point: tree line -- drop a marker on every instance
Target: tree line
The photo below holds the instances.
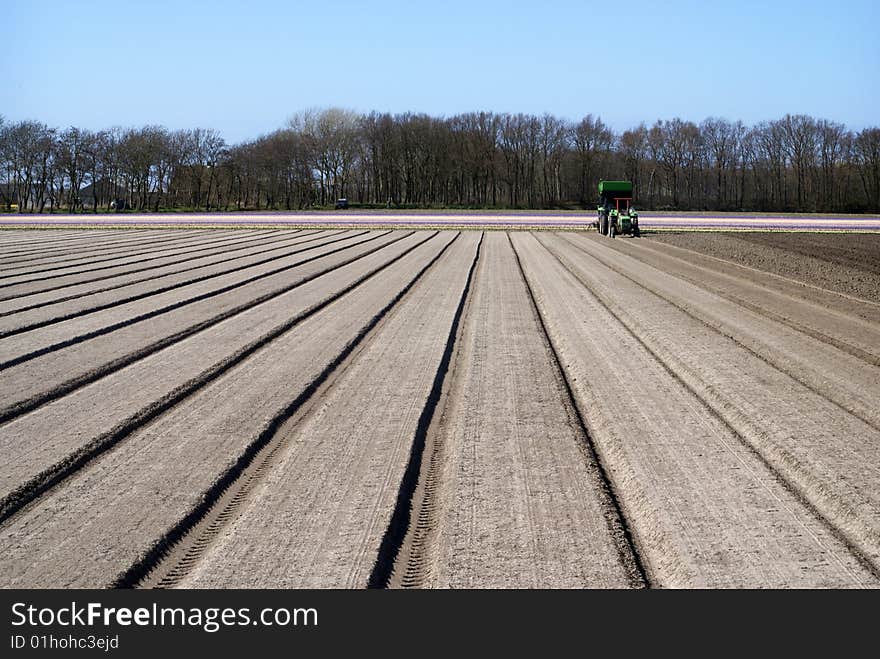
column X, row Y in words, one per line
column 471, row 160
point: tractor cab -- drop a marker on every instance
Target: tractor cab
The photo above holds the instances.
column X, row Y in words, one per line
column 616, row 213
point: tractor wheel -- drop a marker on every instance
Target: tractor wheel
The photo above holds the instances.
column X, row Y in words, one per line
column 636, row 232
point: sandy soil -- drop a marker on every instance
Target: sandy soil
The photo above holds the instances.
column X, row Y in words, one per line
column 410, row 409
column 515, row 500
column 32, row 310
column 163, row 469
column 58, row 353
column 848, row 263
column 319, row 518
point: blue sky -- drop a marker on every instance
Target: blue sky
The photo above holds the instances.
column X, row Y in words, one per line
column 245, row 67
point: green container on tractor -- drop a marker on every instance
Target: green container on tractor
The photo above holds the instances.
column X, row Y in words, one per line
column 616, row 213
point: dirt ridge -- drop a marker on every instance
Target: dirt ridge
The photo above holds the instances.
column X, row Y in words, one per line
column 28, row 492
column 164, row 289
column 29, row 404
column 618, row 525
column 136, row 574
column 766, row 358
column 852, row 542
column 126, row 254
column 90, row 250
column 174, row 306
column 143, row 280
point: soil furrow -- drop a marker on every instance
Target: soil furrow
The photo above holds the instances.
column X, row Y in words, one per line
column 839, row 493
column 48, row 343
column 775, row 263
column 78, row 240
column 129, row 261
column 192, row 540
column 509, row 493
column 852, row 329
column 395, row 533
column 164, row 469
column 90, row 253
column 37, row 296
column 80, row 237
column 116, row 301
column 703, row 509
column 87, row 258
column 847, row 383
column 44, row 395
column 86, row 292
column 617, row 522
column 330, row 496
column 37, row 485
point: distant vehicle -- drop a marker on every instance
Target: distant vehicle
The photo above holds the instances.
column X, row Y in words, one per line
column 616, row 215
column 341, row 204
column 119, row 205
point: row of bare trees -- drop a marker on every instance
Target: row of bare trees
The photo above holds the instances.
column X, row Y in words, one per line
column 796, row 163
column 45, row 169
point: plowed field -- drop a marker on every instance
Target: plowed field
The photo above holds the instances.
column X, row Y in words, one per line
column 438, row 409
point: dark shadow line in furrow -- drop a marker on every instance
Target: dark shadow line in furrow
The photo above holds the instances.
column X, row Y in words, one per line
column 619, row 526
column 194, row 254
column 125, row 254
column 719, row 331
column 653, row 246
column 395, row 533
column 780, row 478
column 37, row 245
column 134, row 282
column 177, row 251
column 136, row 573
column 27, row 237
column 142, row 240
column 165, row 289
column 192, row 300
column 22, row 407
column 840, row 344
column 89, row 250
column 40, row 484
column 411, row 565
column 50, row 247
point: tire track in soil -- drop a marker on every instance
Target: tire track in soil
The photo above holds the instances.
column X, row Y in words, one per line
column 14, row 410
column 197, row 254
column 416, row 550
column 31, row 491
column 791, row 487
column 618, row 525
column 86, row 259
column 87, row 252
column 164, row 289
column 766, row 356
column 189, row 249
column 174, row 556
column 396, row 532
column 295, row 236
column 107, row 329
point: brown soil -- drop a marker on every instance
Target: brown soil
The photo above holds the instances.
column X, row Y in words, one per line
column 844, row 262
column 422, row 409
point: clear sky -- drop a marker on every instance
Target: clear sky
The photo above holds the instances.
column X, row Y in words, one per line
column 244, row 67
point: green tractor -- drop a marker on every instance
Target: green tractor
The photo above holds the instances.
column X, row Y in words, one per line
column 616, row 214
